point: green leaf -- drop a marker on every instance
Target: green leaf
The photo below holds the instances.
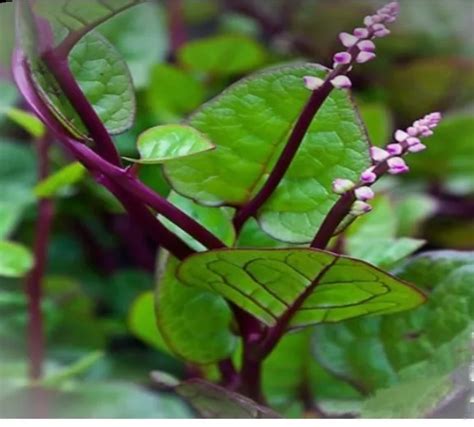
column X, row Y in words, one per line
column 222, row 55
column 140, row 35
column 249, row 123
column 9, row 218
column 170, row 142
column 118, row 400
column 217, row 220
column 372, row 237
column 431, row 341
column 412, row 211
column 377, row 119
column 100, row 71
column 142, row 321
column 172, row 92
column 105, row 80
column 266, row 283
column 449, row 154
column 414, row 399
column 60, row 180
column 15, row 259
column 213, row 401
column 77, row 368
column 189, row 317
column 27, row 121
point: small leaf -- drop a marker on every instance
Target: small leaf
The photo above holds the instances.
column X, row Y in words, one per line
column 213, row 401
column 57, row 182
column 170, row 142
column 268, row 282
column 27, row 121
column 188, row 317
column 224, row 54
column 15, row 259
column 216, row 220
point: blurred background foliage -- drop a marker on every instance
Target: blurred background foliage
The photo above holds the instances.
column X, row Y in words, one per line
column 98, row 303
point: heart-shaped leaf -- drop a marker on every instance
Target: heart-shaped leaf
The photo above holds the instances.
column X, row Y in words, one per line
column 311, row 285
column 249, row 123
column 15, row 259
column 195, row 324
column 170, row 142
column 431, row 340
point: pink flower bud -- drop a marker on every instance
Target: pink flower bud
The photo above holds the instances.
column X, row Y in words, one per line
column 365, row 57
column 416, row 148
column 312, row 83
column 368, row 176
column 348, row 40
column 378, row 154
column 360, row 208
column 366, row 45
column 379, row 27
column 401, row 135
column 364, row 193
column 341, row 82
column 394, row 149
column 382, row 33
column 361, row 33
column 368, row 21
column 341, row 186
column 396, row 165
column 427, row 132
column 342, row 58
column 412, row 131
column 412, row 141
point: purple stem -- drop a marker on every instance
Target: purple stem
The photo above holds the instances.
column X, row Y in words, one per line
column 36, row 340
column 176, row 26
column 302, row 125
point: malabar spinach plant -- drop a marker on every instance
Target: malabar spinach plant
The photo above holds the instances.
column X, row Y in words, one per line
column 267, row 177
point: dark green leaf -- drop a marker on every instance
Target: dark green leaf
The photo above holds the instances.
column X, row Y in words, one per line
column 266, row 283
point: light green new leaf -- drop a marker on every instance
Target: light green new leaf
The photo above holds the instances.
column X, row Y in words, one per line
column 249, row 123
column 170, row 142
column 432, row 340
column 15, row 259
column 325, row 287
column 223, row 54
column 217, row 220
column 449, row 158
column 55, row 183
column 188, row 317
column 27, row 121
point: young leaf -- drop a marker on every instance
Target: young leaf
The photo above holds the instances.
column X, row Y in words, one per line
column 312, row 285
column 27, row 121
column 213, row 401
column 170, row 142
column 224, row 55
column 195, row 324
column 432, row 340
column 15, row 259
column 249, row 123
column 217, row 220
column 55, row 183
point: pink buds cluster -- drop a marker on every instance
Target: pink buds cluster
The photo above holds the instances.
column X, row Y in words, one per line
column 388, row 159
column 359, row 44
